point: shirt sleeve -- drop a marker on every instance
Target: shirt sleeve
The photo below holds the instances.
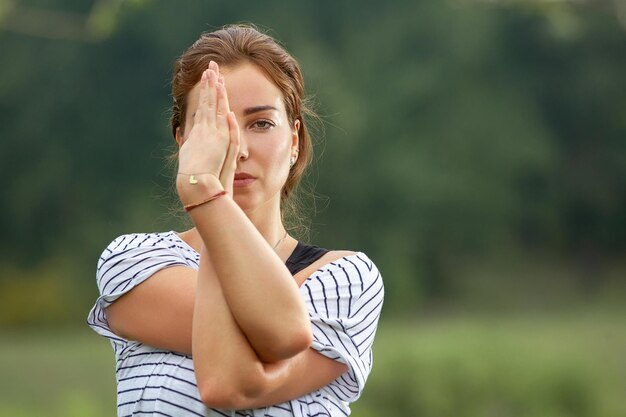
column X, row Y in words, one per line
column 344, row 299
column 127, row 262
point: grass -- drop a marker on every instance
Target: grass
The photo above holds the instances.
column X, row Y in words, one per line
column 56, row 375
column 522, row 366
column 568, row 365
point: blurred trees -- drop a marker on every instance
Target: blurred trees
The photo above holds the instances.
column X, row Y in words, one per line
column 463, row 139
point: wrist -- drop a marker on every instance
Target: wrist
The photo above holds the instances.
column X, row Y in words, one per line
column 192, row 188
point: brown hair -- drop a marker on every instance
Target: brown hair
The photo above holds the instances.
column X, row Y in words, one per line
column 244, row 43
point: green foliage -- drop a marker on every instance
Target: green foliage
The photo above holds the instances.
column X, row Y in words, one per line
column 455, row 130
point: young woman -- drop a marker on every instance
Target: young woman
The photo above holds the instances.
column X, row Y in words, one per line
column 235, row 317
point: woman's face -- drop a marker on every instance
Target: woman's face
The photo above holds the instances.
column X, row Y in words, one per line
column 268, row 141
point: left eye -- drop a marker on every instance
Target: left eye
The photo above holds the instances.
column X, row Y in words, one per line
column 263, row 124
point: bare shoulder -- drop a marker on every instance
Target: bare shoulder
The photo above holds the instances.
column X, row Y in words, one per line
column 327, row 258
column 333, row 255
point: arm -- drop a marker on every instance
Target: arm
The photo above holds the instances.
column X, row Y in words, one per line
column 257, row 286
column 228, row 371
column 347, row 297
column 160, row 312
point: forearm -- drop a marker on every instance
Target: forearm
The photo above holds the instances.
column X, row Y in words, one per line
column 225, row 364
column 260, row 292
column 229, row 373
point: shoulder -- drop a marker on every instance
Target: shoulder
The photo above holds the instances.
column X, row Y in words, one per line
column 134, row 240
column 356, row 266
column 136, row 251
column 347, row 291
column 131, row 259
column 345, row 259
column 328, row 257
column 143, row 242
column 343, row 269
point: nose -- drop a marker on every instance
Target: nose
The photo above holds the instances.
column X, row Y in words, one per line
column 243, row 148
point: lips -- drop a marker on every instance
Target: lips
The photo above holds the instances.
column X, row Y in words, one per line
column 243, row 176
column 243, row 179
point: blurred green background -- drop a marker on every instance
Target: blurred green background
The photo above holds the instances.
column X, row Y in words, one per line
column 475, row 150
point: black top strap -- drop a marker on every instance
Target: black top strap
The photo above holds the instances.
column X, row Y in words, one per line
column 302, row 256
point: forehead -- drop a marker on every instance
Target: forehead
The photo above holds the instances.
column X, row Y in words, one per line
column 247, row 86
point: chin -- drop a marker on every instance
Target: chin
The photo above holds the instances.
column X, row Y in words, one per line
column 249, row 202
column 245, row 202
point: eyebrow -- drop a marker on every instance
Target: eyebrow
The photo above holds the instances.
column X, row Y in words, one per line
column 256, row 109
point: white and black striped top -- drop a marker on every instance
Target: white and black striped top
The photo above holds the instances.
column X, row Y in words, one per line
column 344, row 299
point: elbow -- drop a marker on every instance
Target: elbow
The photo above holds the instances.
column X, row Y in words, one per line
column 221, row 397
column 302, row 341
column 213, row 396
column 288, row 346
column 229, row 395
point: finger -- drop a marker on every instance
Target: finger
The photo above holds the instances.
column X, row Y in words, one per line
column 227, row 176
column 216, row 69
column 222, row 113
column 207, row 101
column 223, row 107
column 213, row 66
column 220, row 80
column 224, row 97
column 202, row 96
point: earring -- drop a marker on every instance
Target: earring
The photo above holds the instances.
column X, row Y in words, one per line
column 292, row 161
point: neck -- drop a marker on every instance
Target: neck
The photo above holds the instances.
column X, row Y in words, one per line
column 267, row 220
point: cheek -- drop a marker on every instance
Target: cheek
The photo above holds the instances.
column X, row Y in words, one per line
column 282, row 152
column 273, row 155
column 275, row 149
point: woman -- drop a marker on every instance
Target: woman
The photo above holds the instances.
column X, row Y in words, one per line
column 275, row 327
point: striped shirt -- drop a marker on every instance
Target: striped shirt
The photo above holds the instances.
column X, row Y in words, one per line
column 344, row 299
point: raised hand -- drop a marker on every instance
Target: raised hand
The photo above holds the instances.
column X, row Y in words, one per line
column 211, row 148
column 227, row 174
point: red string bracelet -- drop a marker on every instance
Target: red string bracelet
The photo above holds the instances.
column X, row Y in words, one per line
column 190, row 207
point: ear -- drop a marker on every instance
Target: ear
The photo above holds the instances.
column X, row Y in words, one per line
column 179, row 137
column 295, row 137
